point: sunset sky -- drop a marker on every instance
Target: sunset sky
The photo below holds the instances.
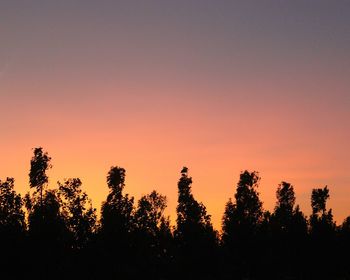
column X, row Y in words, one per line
column 217, row 86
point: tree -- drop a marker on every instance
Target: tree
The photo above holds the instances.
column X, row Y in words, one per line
column 285, row 199
column 11, row 214
column 117, row 227
column 117, row 210
column 321, row 220
column 116, row 180
column 47, row 231
column 39, row 164
column 242, row 218
column 12, row 230
column 47, row 234
column 319, row 198
column 149, row 214
column 194, row 233
column 241, row 223
column 77, row 210
column 46, row 224
column 322, row 229
column 289, row 231
column 192, row 218
column 153, row 237
column 287, row 219
column 43, row 206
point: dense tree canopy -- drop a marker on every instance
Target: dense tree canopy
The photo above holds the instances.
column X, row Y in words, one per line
column 61, row 235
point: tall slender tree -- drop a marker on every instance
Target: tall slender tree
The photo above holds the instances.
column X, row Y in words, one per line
column 117, row 210
column 38, row 178
column 289, row 231
column 241, row 222
column 47, row 231
column 117, row 226
column 283, row 214
column 192, row 218
column 242, row 218
column 287, row 218
column 322, row 230
column 194, row 233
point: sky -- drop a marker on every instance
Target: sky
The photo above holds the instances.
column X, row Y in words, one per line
column 152, row 86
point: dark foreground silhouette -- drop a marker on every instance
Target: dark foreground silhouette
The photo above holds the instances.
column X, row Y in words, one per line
column 55, row 233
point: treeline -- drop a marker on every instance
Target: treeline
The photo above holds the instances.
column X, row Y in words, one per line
column 55, row 233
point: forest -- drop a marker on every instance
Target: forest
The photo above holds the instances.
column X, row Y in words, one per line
column 58, row 234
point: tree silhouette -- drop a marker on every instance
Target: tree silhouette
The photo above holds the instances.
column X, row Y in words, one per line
column 192, row 217
column 43, row 206
column 322, row 232
column 285, row 202
column 48, row 235
column 39, row 164
column 288, row 220
column 242, row 218
column 241, row 222
column 117, row 210
column 321, row 220
column 152, row 234
column 289, row 231
column 46, row 221
column 47, row 230
column 11, row 214
column 12, row 229
column 149, row 214
column 77, row 210
column 59, row 235
column 318, row 200
column 117, row 224
column 194, row 232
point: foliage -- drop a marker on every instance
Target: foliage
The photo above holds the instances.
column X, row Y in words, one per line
column 242, row 218
column 192, row 218
column 39, row 164
column 149, row 215
column 11, row 213
column 61, row 237
column 77, row 211
column 117, row 210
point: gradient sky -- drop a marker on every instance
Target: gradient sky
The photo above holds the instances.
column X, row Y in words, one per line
column 218, row 86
